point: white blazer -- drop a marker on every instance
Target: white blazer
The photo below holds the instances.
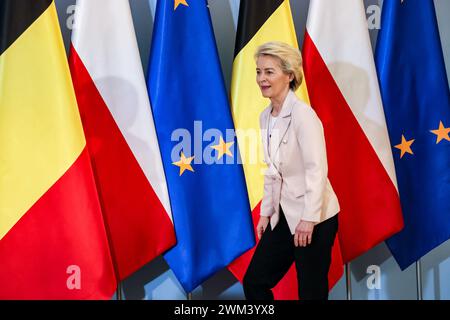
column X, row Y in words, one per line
column 296, row 176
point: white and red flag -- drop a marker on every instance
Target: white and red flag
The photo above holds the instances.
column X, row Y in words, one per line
column 343, row 89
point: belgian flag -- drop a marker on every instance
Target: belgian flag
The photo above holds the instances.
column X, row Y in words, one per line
column 261, row 21
column 53, row 243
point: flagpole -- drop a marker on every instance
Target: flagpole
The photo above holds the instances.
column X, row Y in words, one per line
column 119, row 291
column 348, row 281
column 419, row 279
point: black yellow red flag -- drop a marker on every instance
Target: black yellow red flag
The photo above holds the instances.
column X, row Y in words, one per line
column 53, row 243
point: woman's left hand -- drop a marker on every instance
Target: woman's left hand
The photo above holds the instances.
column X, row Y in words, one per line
column 303, row 233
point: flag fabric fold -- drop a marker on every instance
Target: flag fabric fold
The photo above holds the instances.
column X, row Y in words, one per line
column 261, row 21
column 344, row 91
column 114, row 105
column 53, row 243
column 193, row 121
column 416, row 99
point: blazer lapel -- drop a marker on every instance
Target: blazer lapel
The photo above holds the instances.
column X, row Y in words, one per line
column 282, row 124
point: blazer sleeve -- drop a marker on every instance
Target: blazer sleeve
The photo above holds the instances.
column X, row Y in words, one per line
column 311, row 139
column 267, row 209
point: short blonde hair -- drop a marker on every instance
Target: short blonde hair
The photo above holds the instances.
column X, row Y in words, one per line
column 290, row 59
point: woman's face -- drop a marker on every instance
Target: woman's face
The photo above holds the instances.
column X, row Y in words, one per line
column 272, row 81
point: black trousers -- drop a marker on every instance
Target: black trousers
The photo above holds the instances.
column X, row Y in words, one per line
column 275, row 254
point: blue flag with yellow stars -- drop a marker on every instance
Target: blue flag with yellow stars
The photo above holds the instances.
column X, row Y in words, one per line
column 416, row 99
column 208, row 195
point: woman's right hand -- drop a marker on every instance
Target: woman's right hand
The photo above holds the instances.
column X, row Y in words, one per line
column 262, row 225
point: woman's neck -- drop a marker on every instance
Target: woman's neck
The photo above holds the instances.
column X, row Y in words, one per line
column 277, row 103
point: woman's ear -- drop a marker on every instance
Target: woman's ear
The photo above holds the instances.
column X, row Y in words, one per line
column 291, row 77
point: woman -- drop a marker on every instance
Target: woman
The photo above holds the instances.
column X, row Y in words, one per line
column 298, row 202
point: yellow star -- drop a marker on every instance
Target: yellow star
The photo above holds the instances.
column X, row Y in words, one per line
column 223, row 148
column 178, row 2
column 442, row 133
column 184, row 164
column 405, row 146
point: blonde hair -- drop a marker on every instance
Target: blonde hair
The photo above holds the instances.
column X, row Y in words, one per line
column 290, row 59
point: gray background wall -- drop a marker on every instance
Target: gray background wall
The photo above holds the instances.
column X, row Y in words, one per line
column 375, row 275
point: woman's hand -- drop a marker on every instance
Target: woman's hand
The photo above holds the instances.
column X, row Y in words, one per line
column 303, row 233
column 262, row 225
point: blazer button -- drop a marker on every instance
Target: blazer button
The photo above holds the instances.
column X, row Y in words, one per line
column 284, row 141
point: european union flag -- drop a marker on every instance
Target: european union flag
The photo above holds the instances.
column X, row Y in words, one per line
column 416, row 100
column 208, row 195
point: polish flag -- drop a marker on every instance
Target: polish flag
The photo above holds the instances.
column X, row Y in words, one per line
column 115, row 110
column 343, row 89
